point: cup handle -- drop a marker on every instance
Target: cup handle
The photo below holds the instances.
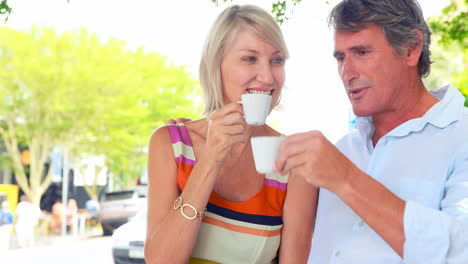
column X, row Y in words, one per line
column 240, row 102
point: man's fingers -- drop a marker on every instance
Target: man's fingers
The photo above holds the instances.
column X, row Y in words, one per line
column 293, row 163
column 289, row 147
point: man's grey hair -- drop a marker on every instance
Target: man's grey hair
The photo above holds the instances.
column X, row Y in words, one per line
column 398, row 18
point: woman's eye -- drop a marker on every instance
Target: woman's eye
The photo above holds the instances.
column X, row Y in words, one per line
column 278, row 60
column 249, row 59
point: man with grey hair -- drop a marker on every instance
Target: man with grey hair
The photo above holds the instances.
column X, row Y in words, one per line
column 395, row 190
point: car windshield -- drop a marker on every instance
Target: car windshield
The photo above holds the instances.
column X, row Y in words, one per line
column 118, row 195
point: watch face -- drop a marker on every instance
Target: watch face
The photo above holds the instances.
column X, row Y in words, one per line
column 177, row 202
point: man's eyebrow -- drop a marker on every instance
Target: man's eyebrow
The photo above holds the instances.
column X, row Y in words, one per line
column 359, row 47
column 353, row 48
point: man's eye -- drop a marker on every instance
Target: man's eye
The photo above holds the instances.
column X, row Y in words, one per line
column 363, row 52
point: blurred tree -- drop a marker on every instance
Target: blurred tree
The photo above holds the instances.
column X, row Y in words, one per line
column 450, row 47
column 88, row 95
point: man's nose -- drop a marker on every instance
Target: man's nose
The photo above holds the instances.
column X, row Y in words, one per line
column 348, row 71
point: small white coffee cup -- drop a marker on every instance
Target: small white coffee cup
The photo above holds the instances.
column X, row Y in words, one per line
column 265, row 152
column 256, row 108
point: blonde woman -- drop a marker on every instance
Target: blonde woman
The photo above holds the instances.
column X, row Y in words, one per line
column 206, row 201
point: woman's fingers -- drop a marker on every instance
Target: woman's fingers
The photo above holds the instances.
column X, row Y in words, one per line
column 225, row 110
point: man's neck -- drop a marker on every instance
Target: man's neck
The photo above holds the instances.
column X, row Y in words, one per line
column 415, row 105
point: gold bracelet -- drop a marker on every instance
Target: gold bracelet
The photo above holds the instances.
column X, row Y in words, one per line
column 178, row 203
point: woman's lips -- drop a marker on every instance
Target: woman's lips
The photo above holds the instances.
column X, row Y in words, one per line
column 260, row 91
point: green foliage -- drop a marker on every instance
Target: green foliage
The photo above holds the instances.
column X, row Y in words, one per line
column 216, row 2
column 5, row 9
column 278, row 9
column 450, row 46
column 452, row 25
column 93, row 96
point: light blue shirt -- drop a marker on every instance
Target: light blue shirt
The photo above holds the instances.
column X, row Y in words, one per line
column 424, row 161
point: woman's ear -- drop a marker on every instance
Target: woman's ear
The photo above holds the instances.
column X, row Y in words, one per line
column 414, row 50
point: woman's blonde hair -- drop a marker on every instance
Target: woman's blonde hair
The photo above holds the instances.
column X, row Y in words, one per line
column 234, row 18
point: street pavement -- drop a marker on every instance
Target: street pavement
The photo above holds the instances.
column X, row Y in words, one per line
column 89, row 248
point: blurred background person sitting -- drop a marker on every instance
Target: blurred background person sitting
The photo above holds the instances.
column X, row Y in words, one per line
column 6, row 225
column 93, row 207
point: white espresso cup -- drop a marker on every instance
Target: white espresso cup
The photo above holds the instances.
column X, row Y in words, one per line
column 265, row 152
column 256, row 108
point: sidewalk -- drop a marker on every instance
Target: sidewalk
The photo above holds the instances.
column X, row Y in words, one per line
column 44, row 241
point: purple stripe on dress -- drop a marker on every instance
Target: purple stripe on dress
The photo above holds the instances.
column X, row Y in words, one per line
column 185, row 160
column 277, row 184
column 179, row 134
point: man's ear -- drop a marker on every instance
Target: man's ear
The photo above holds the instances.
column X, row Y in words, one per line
column 414, row 50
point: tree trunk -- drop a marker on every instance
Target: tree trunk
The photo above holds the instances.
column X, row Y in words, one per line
column 39, row 149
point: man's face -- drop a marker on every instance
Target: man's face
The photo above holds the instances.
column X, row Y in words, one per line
column 371, row 70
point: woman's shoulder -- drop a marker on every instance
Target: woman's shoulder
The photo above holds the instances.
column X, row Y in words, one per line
column 187, row 131
column 170, row 129
column 160, row 134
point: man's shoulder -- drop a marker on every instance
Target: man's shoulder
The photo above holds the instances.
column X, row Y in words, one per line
column 461, row 123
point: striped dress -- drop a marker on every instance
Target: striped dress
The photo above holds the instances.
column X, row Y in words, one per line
column 234, row 232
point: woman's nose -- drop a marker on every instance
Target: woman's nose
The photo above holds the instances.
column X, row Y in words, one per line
column 265, row 73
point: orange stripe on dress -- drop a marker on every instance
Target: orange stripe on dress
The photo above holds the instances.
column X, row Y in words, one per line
column 268, row 201
column 183, row 173
column 241, row 229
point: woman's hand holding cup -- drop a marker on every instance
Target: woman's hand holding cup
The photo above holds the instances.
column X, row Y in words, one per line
column 226, row 128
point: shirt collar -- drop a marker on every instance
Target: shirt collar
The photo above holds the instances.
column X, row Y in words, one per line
column 445, row 112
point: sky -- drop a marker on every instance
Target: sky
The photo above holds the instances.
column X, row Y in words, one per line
column 313, row 97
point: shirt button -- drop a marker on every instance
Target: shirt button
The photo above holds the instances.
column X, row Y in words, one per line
column 337, row 253
column 361, row 223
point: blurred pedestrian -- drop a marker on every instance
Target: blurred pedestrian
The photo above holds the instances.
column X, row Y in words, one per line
column 6, row 225
column 93, row 207
column 72, row 215
column 57, row 209
column 27, row 217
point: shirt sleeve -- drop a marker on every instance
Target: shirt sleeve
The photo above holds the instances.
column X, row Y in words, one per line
column 434, row 236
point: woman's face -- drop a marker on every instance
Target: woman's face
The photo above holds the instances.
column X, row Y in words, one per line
column 251, row 65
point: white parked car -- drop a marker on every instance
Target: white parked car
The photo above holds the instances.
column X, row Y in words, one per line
column 120, row 206
column 128, row 240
